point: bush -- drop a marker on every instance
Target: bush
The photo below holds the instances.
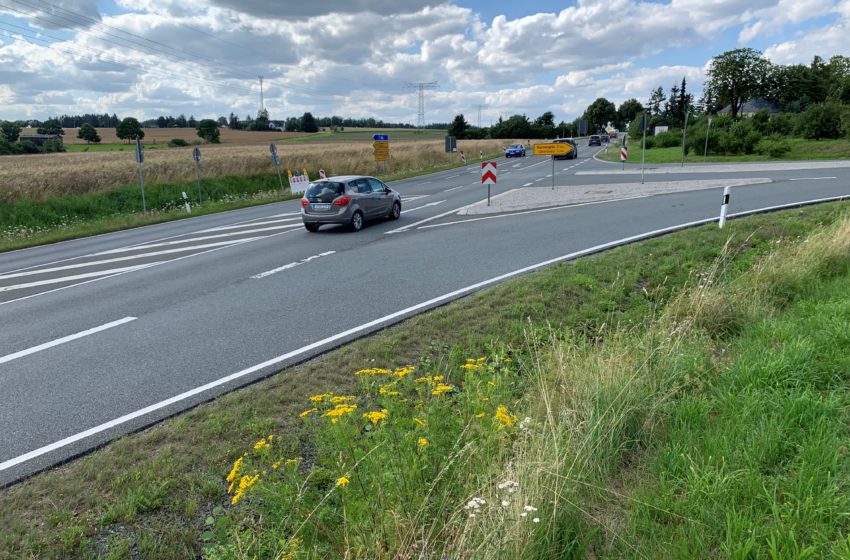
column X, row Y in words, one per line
column 822, row 120
column 761, row 122
column 671, row 139
column 773, row 146
column 782, row 124
column 28, row 147
column 54, row 146
column 650, row 142
column 177, row 143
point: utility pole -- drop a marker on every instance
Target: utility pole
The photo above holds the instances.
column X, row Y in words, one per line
column 421, row 86
column 479, row 115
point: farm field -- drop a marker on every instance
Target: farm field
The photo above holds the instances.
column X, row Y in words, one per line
column 39, row 177
column 163, row 135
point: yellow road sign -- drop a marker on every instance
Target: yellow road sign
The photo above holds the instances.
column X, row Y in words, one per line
column 381, row 152
column 382, row 157
column 552, row 149
column 381, row 144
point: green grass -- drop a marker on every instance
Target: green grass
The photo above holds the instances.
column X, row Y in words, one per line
column 161, row 493
column 801, row 149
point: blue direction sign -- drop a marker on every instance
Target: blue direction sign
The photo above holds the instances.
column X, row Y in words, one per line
column 381, row 137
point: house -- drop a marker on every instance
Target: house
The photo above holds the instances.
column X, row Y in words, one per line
column 751, row 107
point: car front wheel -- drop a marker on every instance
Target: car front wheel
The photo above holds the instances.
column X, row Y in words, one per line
column 395, row 211
column 357, row 221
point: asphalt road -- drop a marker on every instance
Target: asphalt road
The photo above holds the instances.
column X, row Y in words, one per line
column 102, row 336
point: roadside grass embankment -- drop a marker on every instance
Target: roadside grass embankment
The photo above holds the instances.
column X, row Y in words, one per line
column 56, row 197
column 634, row 403
column 800, row 149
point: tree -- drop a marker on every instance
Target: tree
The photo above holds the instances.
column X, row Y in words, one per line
column 546, row 119
column 292, row 124
column 308, row 123
column 736, row 76
column 51, row 126
column 627, row 111
column 656, row 101
column 458, row 127
column 88, row 133
column 598, row 114
column 129, row 129
column 234, row 122
column 262, row 120
column 208, row 130
column 180, row 122
column 222, row 121
column 10, row 130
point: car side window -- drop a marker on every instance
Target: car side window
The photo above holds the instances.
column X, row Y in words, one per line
column 362, row 186
column 377, row 186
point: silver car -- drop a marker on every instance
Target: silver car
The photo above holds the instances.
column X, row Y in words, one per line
column 348, row 200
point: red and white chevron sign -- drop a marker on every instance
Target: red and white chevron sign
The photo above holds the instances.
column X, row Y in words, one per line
column 488, row 172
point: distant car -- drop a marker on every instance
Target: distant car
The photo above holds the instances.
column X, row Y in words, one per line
column 595, row 140
column 613, row 134
column 515, row 150
column 573, row 154
column 349, row 200
column 605, row 138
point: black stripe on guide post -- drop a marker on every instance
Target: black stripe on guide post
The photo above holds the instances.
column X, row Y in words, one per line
column 725, row 199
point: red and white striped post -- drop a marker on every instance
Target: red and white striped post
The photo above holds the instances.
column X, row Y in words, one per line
column 624, row 155
column 488, row 176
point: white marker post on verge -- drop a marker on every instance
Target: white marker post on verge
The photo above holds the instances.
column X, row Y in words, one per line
column 186, row 203
column 724, row 206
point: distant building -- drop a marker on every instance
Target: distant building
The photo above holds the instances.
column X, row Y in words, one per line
column 751, row 107
column 38, row 139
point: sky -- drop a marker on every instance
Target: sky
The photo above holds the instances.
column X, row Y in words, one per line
column 358, row 58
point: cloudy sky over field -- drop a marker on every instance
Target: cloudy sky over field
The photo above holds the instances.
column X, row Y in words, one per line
column 352, row 58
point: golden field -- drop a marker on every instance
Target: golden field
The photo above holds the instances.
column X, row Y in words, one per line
column 37, row 177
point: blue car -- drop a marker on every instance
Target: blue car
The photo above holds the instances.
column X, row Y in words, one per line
column 515, row 150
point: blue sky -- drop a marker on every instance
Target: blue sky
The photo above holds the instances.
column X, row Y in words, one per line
column 352, row 57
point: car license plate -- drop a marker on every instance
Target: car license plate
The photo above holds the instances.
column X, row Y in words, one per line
column 320, row 206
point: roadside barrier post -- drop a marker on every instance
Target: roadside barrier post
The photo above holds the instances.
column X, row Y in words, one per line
column 196, row 155
column 186, row 203
column 140, row 159
column 724, row 206
column 553, row 173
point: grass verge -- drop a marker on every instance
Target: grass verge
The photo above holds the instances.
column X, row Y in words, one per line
column 801, row 149
column 599, row 402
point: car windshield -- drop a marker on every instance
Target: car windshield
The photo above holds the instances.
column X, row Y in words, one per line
column 516, row 146
column 324, row 191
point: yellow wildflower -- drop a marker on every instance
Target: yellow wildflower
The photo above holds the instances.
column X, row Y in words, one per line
column 374, row 417
column 491, row 383
column 481, row 359
column 342, row 481
column 430, row 379
column 386, row 390
column 244, row 483
column 372, row 371
column 419, row 421
column 441, row 388
column 320, row 397
column 423, row 442
column 341, row 399
column 276, row 464
column 339, row 410
column 403, row 372
column 470, row 366
column 505, row 418
column 290, row 462
column 480, row 415
column 260, row 444
column 235, row 470
column 308, row 412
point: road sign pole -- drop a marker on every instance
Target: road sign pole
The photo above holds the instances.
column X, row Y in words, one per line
column 553, row 173
column 488, row 194
column 198, row 175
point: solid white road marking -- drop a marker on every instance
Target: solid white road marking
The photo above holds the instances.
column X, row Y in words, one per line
column 291, row 265
column 119, row 259
column 77, row 277
column 251, row 224
column 454, row 188
column 812, row 178
column 426, row 220
column 362, row 328
column 63, row 340
column 527, row 185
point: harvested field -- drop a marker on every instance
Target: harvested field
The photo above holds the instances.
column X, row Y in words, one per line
column 163, row 135
column 38, row 177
